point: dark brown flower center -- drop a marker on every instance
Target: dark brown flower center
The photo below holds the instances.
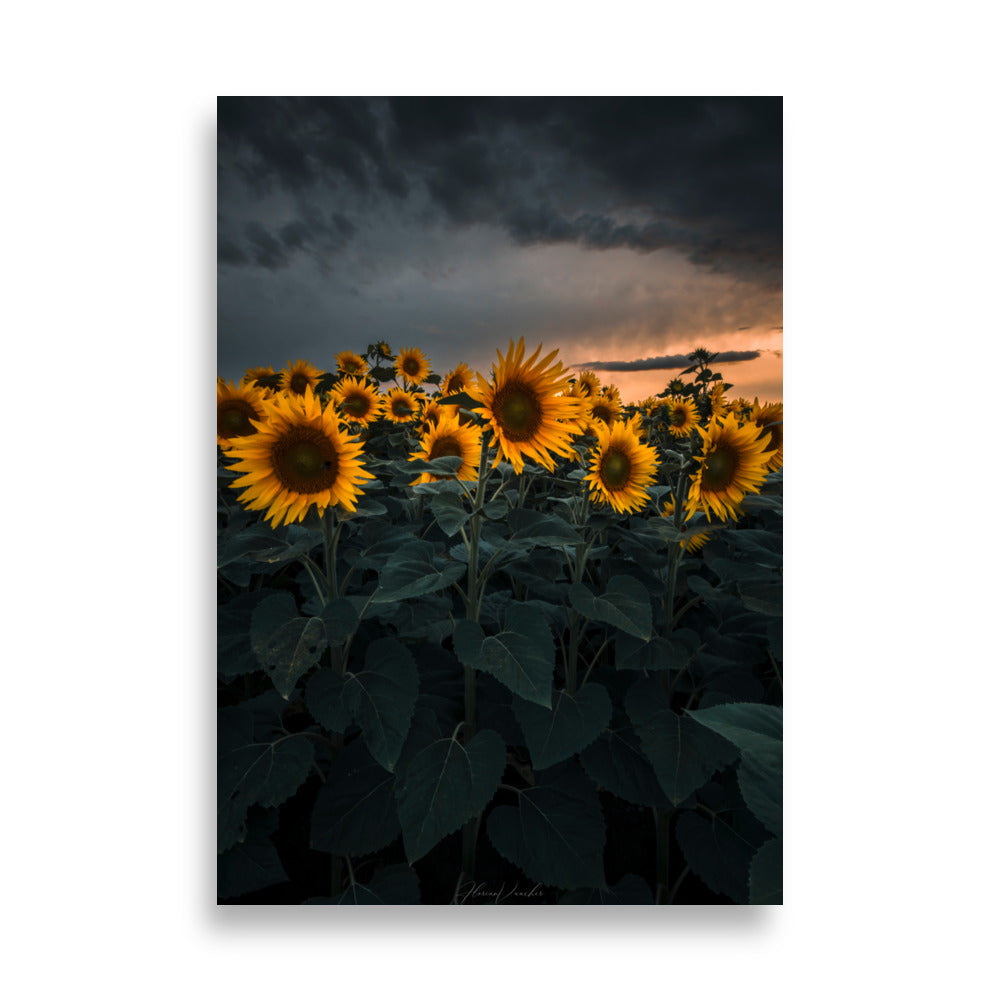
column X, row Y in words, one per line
column 615, row 469
column 298, row 383
column 356, row 405
column 719, row 469
column 234, row 419
column 455, row 383
column 602, row 412
column 518, row 411
column 445, row 446
column 401, row 407
column 305, row 460
column 411, row 366
column 678, row 416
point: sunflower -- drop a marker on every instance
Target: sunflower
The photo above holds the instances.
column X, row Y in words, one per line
column 588, row 383
column 400, row 406
column 520, row 402
column 692, row 542
column 769, row 419
column 357, row 400
column 262, row 377
column 299, row 457
column 605, row 407
column 621, row 467
column 677, row 385
column 718, row 400
column 450, row 437
column 350, row 363
column 299, row 377
column 432, row 412
column 682, row 417
column 733, row 463
column 458, row 379
column 412, row 365
column 382, row 349
column 235, row 409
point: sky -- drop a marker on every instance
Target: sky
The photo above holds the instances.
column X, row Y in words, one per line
column 625, row 232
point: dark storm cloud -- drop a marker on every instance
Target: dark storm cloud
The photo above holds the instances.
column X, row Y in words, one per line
column 699, row 176
column 666, row 362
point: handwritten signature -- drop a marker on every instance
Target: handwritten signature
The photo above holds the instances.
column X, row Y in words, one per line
column 501, row 894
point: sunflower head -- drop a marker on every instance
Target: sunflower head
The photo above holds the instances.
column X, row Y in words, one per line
column 769, row 419
column 357, row 401
column 733, row 463
column 522, row 404
column 400, row 406
column 299, row 457
column 682, row 416
column 382, row 349
column 621, row 466
column 448, row 436
column 236, row 409
column 412, row 365
column 298, row 377
column 351, row 364
column 458, row 379
column 717, row 398
column 588, row 383
column 262, row 377
column 677, row 385
column 606, row 407
column 691, row 542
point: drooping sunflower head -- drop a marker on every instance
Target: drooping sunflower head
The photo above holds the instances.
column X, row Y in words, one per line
column 733, row 463
column 621, row 466
column 299, row 457
column 457, row 380
column 262, row 377
column 717, row 396
column 588, row 383
column 350, row 363
column 400, row 406
column 521, row 403
column 236, row 409
column 448, row 436
column 412, row 365
column 382, row 349
column 691, row 542
column 682, row 416
column 769, row 419
column 605, row 407
column 298, row 377
column 357, row 401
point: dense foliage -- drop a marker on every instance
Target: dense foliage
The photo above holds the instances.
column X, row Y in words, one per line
column 510, row 641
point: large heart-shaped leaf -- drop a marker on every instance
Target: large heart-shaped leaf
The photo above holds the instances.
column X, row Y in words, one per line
column 624, row 604
column 285, row 643
column 444, row 785
column 573, row 722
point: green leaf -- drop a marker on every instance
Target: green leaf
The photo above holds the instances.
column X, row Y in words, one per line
column 285, row 643
column 616, row 763
column 555, row 834
column 522, row 656
column 631, row 890
column 324, row 699
column 254, row 772
column 751, row 727
column 355, row 811
column 683, row 754
column 765, row 598
column 235, row 656
column 253, row 864
column 496, row 508
column 382, row 374
column 412, row 572
column 717, row 854
column 573, row 723
column 675, row 653
column 446, row 465
column 449, row 512
column 392, row 886
column 540, row 529
column 340, row 617
column 625, row 604
column 765, row 874
column 444, row 785
column 759, row 776
column 382, row 697
column 461, row 399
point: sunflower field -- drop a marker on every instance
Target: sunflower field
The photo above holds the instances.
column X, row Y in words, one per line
column 497, row 638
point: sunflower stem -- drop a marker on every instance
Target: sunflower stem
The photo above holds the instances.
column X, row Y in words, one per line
column 331, row 536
